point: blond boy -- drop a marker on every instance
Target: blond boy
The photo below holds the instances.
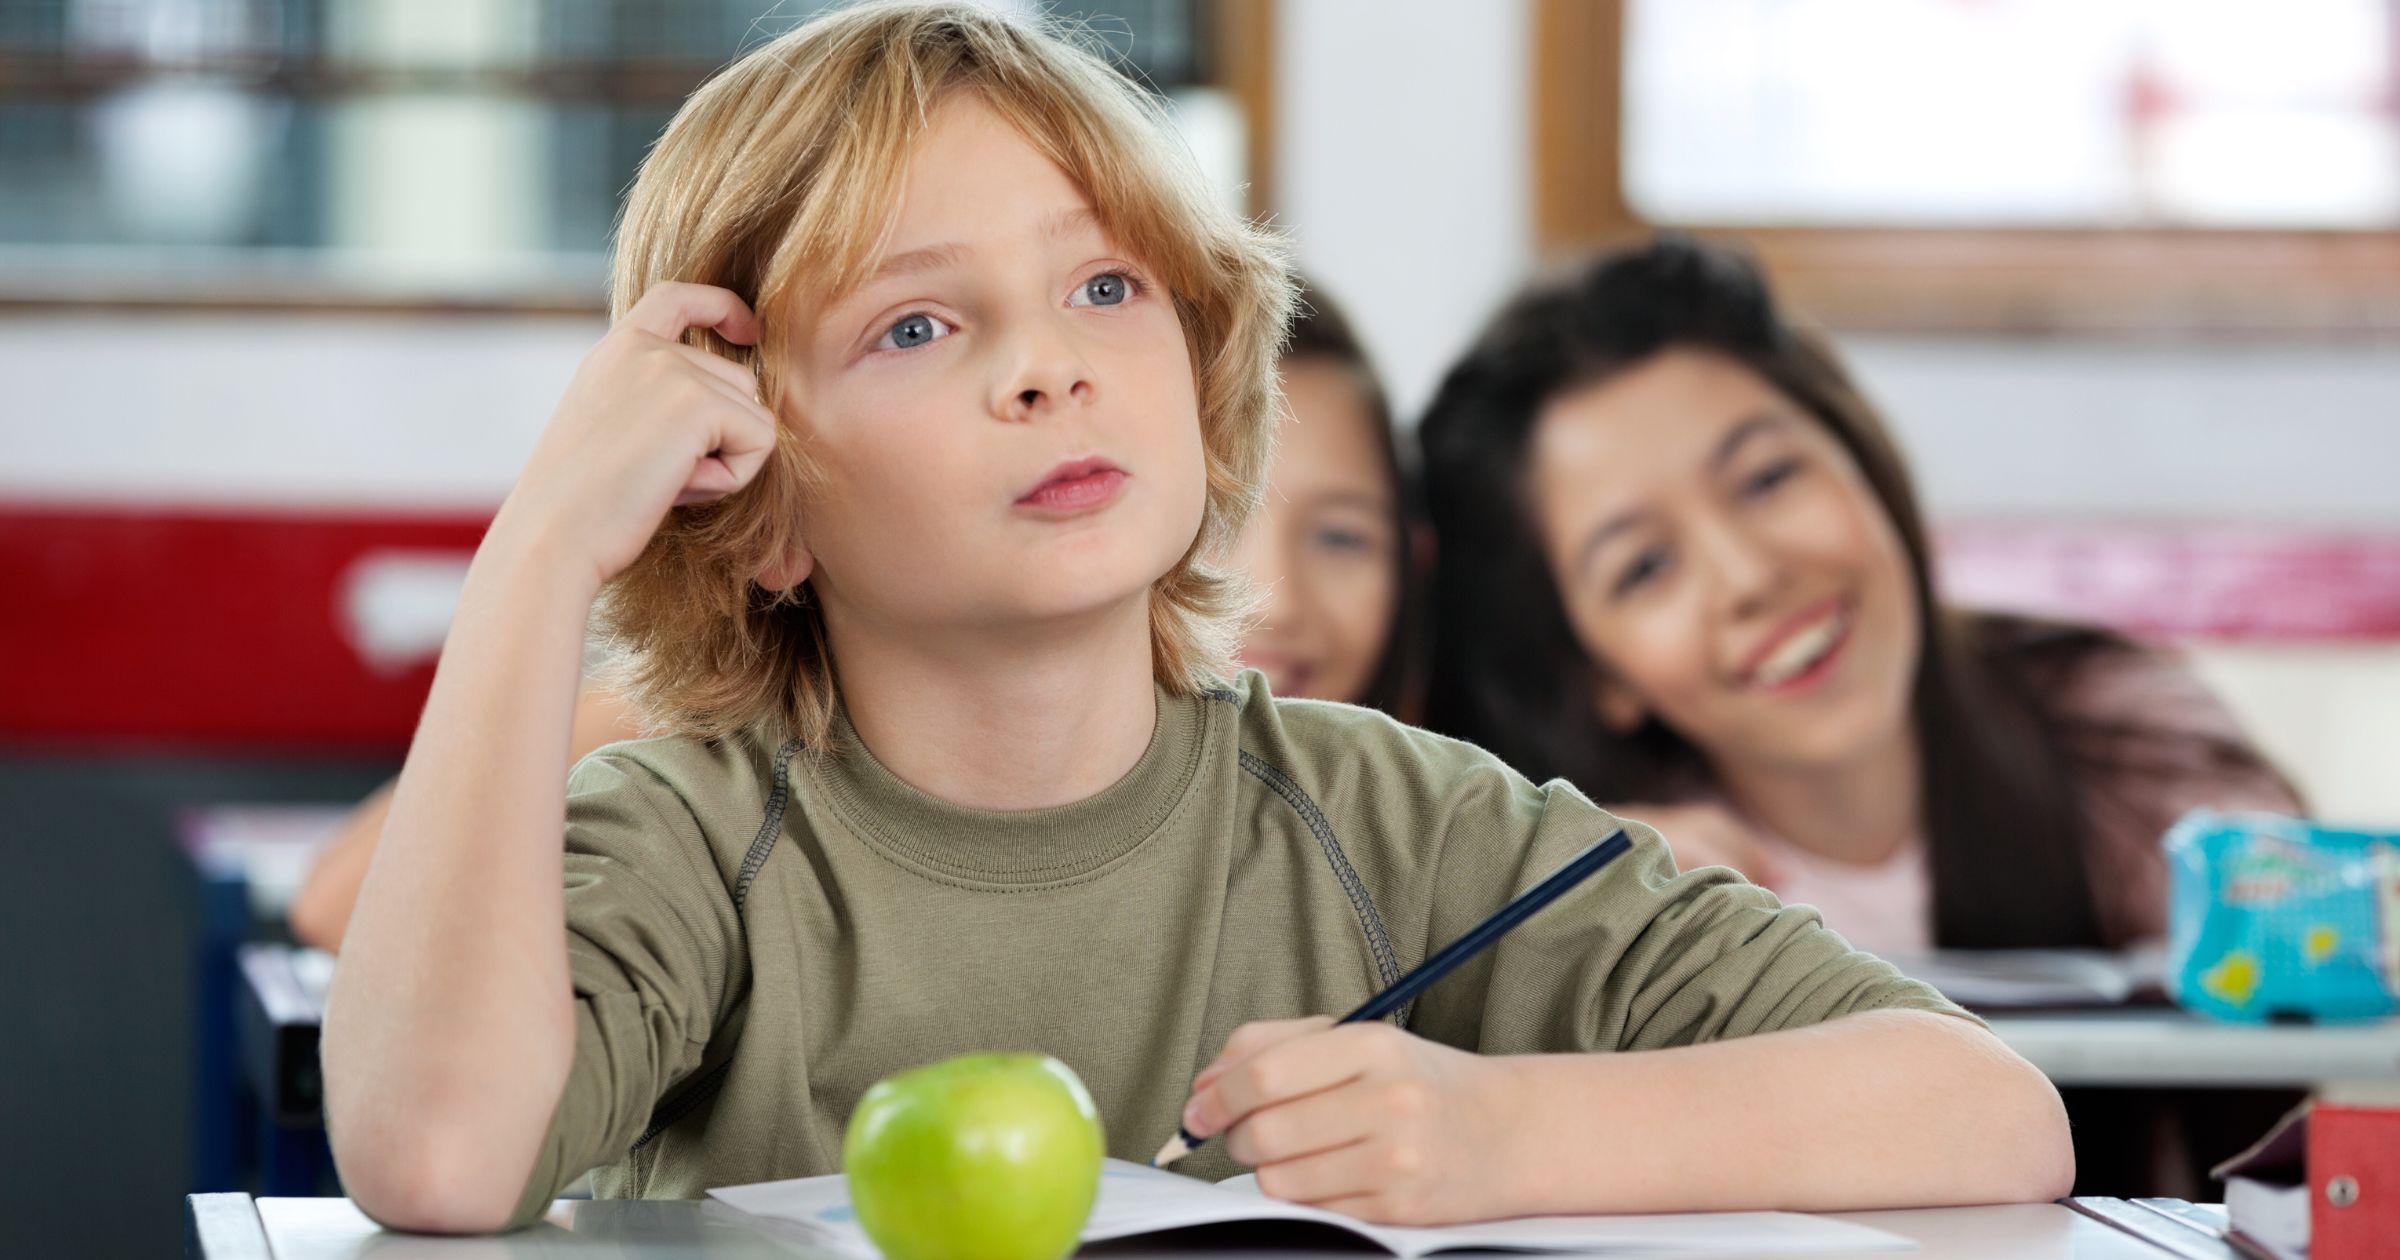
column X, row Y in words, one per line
column 936, row 384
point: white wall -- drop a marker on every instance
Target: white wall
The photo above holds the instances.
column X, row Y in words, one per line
column 1401, row 168
column 2293, row 434
column 433, row 412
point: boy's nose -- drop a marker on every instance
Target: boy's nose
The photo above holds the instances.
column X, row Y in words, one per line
column 1048, row 370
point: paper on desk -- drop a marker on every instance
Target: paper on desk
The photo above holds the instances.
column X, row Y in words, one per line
column 1136, row 1199
column 1997, row 979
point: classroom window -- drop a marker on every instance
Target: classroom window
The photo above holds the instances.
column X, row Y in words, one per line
column 2013, row 165
column 2014, row 112
column 415, row 151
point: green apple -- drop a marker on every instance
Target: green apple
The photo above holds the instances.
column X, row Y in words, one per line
column 981, row 1157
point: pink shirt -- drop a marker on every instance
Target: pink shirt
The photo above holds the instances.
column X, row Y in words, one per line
column 1887, row 907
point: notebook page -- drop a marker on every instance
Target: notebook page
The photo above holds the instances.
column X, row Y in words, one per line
column 1134, row 1199
column 1761, row 1233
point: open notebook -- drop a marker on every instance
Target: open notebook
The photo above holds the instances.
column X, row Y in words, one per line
column 1137, row 1200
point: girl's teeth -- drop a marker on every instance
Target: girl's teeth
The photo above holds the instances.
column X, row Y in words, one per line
column 1799, row 652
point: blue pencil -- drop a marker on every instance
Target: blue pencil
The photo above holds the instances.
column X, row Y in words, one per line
column 1520, row 908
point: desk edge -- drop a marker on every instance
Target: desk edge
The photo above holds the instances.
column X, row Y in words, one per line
column 224, row 1227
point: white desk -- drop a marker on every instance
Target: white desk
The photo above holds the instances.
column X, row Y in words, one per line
column 2165, row 1048
column 235, row 1227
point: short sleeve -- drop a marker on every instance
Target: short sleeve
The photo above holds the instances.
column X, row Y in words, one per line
column 653, row 948
column 1642, row 956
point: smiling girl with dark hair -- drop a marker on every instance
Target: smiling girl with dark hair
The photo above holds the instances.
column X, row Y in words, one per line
column 1682, row 567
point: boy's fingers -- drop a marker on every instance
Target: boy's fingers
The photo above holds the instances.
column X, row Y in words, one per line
column 754, row 429
column 1253, row 1037
column 744, row 466
column 1304, row 1064
column 719, row 367
column 1300, row 1129
column 669, row 308
column 1330, row 1173
column 710, row 480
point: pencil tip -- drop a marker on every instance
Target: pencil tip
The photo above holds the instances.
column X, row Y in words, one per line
column 1175, row 1149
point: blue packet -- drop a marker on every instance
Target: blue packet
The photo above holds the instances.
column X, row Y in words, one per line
column 2275, row 918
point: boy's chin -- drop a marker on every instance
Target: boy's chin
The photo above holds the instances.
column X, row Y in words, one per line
column 1068, row 594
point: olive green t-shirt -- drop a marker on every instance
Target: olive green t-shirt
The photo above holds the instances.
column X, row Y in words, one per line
column 758, row 933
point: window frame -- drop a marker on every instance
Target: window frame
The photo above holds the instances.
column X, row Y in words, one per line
column 234, row 281
column 2095, row 280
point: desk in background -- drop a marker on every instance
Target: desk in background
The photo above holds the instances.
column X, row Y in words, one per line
column 2149, row 1047
column 254, row 1049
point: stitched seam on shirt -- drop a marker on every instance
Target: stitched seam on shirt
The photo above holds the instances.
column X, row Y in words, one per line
column 697, row 1092
column 768, row 828
column 1387, row 963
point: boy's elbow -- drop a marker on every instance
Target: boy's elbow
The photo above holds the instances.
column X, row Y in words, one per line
column 2040, row 1145
column 2048, row 1164
column 2008, row 1138
column 429, row 1187
column 414, row 1170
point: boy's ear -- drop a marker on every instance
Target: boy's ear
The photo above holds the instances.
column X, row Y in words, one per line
column 789, row 569
column 1619, row 708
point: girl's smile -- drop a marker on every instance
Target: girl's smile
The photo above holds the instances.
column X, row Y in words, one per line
column 1800, row 653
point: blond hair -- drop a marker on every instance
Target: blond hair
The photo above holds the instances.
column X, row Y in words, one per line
column 779, row 180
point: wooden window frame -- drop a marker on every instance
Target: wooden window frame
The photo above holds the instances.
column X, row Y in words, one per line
column 1244, row 68
column 1995, row 280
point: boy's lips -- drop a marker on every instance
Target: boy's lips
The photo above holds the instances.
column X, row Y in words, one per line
column 1074, row 487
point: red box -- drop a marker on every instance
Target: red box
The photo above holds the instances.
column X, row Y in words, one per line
column 2345, row 1156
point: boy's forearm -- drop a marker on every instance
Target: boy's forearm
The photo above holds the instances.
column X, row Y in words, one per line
column 1878, row 1110
column 450, row 1027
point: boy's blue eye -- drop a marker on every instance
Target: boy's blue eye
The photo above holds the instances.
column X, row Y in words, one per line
column 1106, row 289
column 911, row 331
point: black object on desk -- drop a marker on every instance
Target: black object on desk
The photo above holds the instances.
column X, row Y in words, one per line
column 282, row 1011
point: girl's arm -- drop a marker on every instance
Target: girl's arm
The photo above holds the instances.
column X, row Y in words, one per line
column 451, row 1024
column 320, row 913
column 1883, row 1109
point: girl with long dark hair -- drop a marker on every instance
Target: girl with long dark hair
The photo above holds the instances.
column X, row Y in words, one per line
column 1681, row 566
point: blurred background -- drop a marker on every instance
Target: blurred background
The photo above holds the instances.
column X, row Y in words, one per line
column 288, row 287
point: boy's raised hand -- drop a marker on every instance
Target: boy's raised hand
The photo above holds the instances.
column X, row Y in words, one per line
column 1364, row 1119
column 648, row 423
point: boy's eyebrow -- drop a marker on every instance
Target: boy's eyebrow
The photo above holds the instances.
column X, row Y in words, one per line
column 930, row 258
column 936, row 257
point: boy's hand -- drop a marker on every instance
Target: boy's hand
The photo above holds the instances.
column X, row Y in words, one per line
column 648, row 423
column 1363, row 1119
